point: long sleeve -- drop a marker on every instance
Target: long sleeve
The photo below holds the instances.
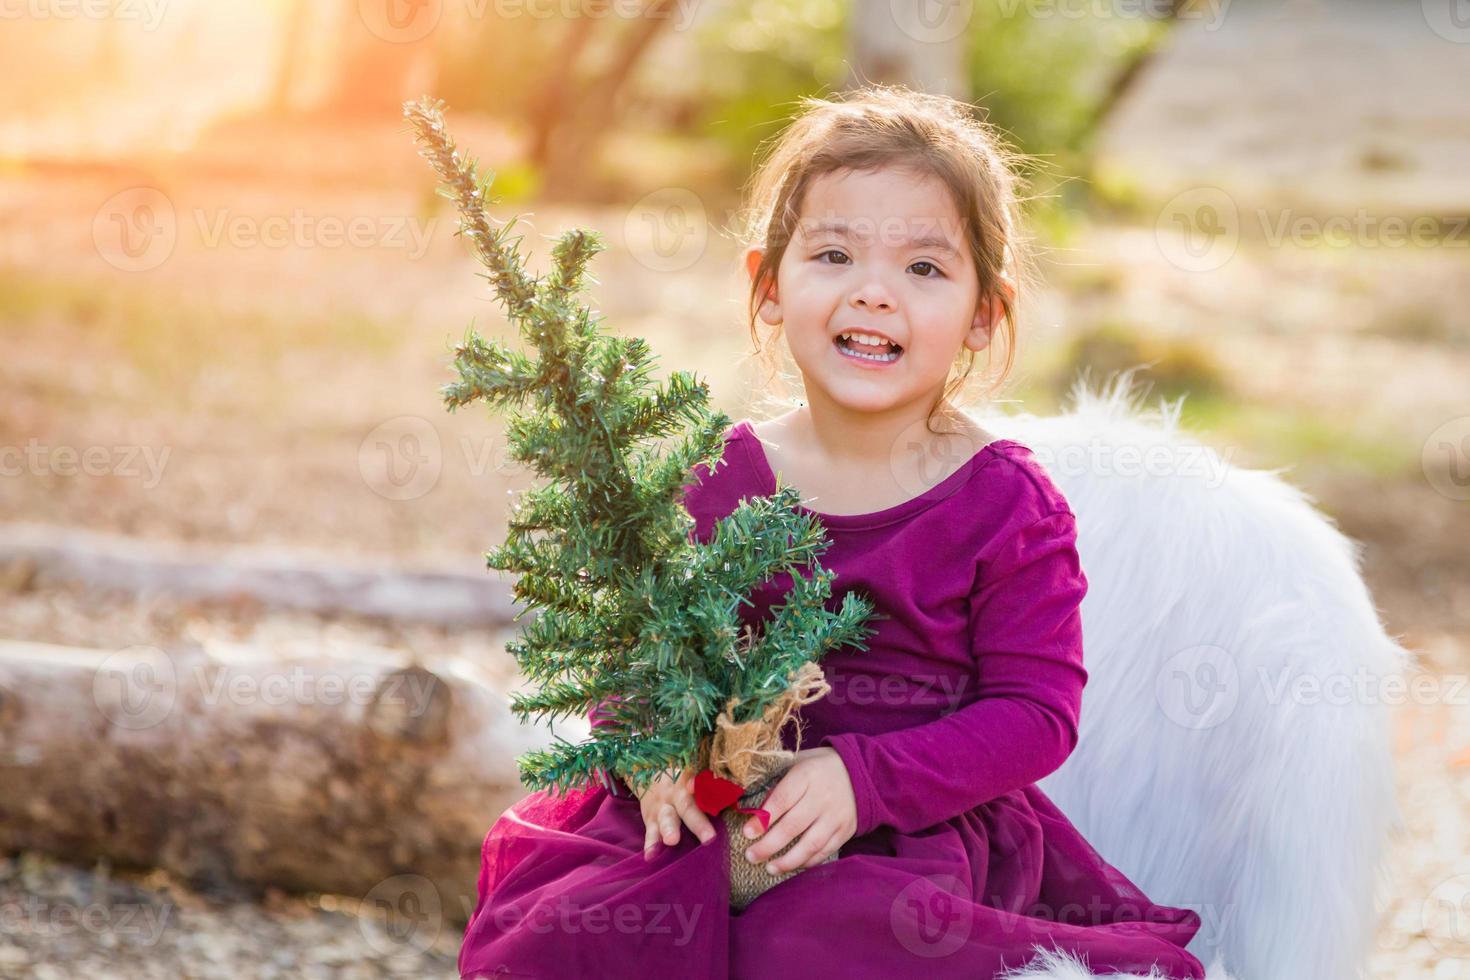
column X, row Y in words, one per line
column 1026, row 633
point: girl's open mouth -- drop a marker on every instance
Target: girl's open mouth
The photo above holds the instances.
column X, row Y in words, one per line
column 885, row 353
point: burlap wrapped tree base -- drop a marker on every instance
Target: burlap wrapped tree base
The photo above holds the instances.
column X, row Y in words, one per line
column 749, row 880
column 750, row 754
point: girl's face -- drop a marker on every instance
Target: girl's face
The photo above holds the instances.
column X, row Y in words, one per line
column 882, row 255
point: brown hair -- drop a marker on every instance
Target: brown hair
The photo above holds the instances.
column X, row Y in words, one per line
column 892, row 126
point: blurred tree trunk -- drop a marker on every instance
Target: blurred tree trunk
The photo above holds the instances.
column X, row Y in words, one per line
column 546, row 106
column 1168, row 10
column 917, row 43
column 288, row 67
column 572, row 117
column 109, row 61
column 375, row 74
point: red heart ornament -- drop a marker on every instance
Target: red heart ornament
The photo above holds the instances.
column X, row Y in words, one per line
column 713, row 793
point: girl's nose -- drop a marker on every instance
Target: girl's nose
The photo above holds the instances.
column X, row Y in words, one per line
column 872, row 295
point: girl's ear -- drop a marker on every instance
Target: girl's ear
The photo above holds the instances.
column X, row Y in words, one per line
column 988, row 313
column 770, row 308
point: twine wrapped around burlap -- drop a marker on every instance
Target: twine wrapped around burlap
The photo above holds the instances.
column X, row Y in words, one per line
column 751, row 755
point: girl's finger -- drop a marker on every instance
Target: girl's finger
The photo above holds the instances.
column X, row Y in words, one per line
column 781, row 804
column 696, row 819
column 832, row 845
column 784, row 829
column 778, row 803
column 812, row 839
column 650, row 836
column 668, row 821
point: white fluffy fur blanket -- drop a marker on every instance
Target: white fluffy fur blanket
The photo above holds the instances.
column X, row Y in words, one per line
column 1234, row 756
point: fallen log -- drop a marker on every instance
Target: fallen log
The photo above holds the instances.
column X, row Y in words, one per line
column 359, row 776
column 34, row 554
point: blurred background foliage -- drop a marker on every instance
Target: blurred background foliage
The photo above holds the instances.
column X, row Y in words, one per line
column 1045, row 82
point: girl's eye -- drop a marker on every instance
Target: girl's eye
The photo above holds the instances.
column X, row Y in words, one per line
column 922, row 264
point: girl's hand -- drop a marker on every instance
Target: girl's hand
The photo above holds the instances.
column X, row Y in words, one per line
column 664, row 803
column 814, row 801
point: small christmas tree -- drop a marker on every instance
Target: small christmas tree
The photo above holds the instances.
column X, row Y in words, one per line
column 636, row 618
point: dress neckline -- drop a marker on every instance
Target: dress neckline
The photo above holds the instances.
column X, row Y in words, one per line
column 755, row 451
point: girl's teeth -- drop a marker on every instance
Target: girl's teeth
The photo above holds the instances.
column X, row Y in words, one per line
column 850, row 351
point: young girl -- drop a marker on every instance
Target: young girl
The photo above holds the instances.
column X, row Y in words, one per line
column 886, row 250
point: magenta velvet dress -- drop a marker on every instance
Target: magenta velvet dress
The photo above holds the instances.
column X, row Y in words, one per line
column 969, row 693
